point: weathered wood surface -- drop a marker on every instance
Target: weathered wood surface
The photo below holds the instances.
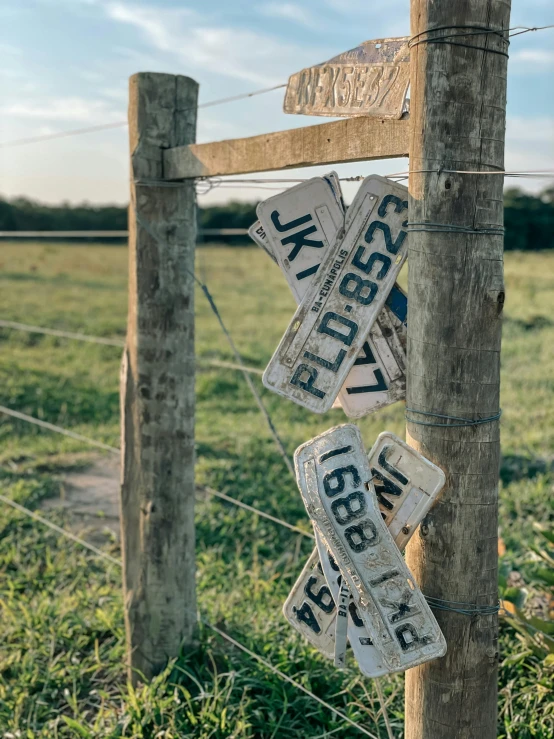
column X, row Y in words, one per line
column 456, row 294
column 371, row 79
column 351, row 140
column 157, row 382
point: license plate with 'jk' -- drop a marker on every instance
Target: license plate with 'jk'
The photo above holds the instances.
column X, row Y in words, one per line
column 330, row 327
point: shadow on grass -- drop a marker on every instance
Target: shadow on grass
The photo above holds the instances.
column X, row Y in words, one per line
column 532, row 324
column 516, row 467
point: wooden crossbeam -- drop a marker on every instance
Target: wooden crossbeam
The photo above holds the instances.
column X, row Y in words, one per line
column 349, row 140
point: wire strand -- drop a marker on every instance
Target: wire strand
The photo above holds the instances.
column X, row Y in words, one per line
column 57, row 429
column 116, row 450
column 61, row 134
column 250, row 508
column 533, row 173
column 263, row 410
column 120, row 124
column 527, row 29
column 463, row 421
column 60, row 530
column 14, row 325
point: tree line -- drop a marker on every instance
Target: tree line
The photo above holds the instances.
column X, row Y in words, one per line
column 528, row 219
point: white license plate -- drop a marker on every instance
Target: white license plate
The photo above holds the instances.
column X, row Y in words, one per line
column 299, row 224
column 258, row 235
column 406, row 485
column 310, row 607
column 330, row 327
column 377, row 378
column 334, row 477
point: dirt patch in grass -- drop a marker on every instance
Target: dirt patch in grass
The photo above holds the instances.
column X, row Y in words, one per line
column 91, row 497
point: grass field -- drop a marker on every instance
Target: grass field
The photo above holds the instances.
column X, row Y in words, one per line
column 62, row 650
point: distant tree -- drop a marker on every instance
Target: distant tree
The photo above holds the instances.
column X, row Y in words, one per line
column 528, row 219
column 231, row 215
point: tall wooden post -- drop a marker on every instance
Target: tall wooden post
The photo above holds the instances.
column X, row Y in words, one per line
column 456, row 294
column 157, row 381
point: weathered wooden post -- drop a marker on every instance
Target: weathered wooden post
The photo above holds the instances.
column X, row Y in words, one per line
column 157, row 381
column 456, row 293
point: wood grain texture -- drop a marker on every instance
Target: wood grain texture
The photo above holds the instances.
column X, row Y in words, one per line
column 456, row 296
column 351, row 140
column 157, row 382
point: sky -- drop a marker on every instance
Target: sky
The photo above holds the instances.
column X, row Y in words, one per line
column 66, row 64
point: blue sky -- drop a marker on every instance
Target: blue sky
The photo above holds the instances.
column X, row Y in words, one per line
column 65, row 65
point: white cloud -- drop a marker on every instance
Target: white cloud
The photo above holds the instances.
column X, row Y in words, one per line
column 233, row 52
column 536, row 57
column 529, row 147
column 74, row 109
column 289, row 11
column 10, row 50
column 533, row 130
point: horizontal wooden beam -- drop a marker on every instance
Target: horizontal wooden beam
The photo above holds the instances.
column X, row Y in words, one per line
column 349, row 140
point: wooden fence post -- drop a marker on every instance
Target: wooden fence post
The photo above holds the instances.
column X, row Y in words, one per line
column 456, row 294
column 157, row 381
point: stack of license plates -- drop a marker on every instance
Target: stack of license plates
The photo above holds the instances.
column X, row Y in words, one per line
column 346, row 346
column 346, row 343
column 356, row 586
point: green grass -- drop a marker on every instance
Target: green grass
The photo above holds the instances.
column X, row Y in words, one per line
column 62, row 654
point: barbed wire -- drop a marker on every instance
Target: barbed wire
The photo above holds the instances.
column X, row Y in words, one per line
column 257, row 511
column 27, row 328
column 116, row 450
column 121, row 124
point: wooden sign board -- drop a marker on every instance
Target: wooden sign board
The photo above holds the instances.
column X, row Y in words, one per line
column 341, row 305
column 405, row 479
column 335, row 481
column 370, row 80
column 377, row 378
